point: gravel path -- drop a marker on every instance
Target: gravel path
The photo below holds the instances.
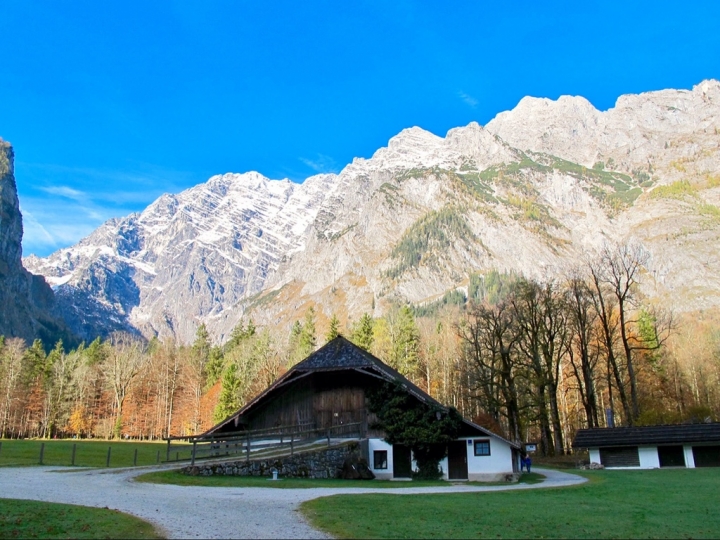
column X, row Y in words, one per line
column 204, row 512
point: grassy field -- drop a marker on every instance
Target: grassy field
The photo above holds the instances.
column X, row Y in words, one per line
column 174, row 477
column 33, row 519
column 680, row 503
column 14, row 453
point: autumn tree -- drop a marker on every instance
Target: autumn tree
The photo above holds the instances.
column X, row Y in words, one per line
column 126, row 357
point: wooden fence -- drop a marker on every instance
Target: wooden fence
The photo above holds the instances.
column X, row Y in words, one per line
column 258, row 442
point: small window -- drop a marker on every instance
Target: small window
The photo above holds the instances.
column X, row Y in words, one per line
column 482, row 448
column 380, row 459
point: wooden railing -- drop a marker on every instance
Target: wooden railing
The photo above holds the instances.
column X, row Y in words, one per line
column 258, row 442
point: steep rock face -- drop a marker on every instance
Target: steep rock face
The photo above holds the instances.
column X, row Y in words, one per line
column 186, row 258
column 649, row 131
column 28, row 303
column 533, row 192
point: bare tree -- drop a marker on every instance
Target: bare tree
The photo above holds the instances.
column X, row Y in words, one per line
column 11, row 355
column 125, row 358
column 490, row 341
column 583, row 360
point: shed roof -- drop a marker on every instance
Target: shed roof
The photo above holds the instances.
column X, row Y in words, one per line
column 342, row 354
column 667, row 434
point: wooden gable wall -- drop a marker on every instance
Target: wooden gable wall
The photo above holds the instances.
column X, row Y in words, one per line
column 319, row 400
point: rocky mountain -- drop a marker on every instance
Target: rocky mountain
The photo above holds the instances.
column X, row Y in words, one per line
column 532, row 191
column 186, row 259
column 28, row 304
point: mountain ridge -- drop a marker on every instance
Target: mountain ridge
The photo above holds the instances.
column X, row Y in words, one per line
column 531, row 191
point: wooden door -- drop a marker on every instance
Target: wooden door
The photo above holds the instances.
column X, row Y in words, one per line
column 402, row 463
column 457, row 461
column 671, row 456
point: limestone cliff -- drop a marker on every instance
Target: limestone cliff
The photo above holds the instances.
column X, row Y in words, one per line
column 27, row 303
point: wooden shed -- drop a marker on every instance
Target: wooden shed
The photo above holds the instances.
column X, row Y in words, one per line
column 326, row 392
column 650, row 447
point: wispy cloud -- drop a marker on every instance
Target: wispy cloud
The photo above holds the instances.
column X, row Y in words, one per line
column 34, row 233
column 468, row 99
column 65, row 191
column 321, row 164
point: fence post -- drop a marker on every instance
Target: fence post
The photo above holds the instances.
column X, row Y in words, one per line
column 135, row 459
column 42, row 451
column 192, row 460
column 107, row 462
column 292, row 444
column 168, row 450
column 328, row 437
column 72, row 460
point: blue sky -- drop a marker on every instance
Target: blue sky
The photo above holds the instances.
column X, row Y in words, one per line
column 110, row 104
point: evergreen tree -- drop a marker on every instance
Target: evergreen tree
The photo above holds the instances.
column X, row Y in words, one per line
column 308, row 341
column 95, row 353
column 405, row 342
column 215, row 365
column 229, row 401
column 240, row 333
column 34, row 362
column 201, row 346
column 302, row 338
column 362, row 332
column 334, row 330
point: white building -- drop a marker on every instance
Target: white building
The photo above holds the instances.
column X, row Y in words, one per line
column 652, row 447
column 478, row 455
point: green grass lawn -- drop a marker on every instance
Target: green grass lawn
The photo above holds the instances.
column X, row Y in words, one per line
column 14, row 453
column 679, row 503
column 34, row 519
column 175, row 477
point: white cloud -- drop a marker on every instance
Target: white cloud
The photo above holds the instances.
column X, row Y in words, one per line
column 34, row 233
column 322, row 164
column 468, row 99
column 65, row 191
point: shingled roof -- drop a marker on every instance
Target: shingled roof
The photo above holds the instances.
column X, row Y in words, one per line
column 669, row 434
column 341, row 354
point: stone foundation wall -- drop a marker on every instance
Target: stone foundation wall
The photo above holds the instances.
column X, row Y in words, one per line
column 318, row 464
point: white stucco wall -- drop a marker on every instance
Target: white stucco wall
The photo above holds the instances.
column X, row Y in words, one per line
column 480, row 468
column 594, row 455
column 485, row 468
column 648, row 457
column 379, row 444
column 499, row 460
column 689, row 458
